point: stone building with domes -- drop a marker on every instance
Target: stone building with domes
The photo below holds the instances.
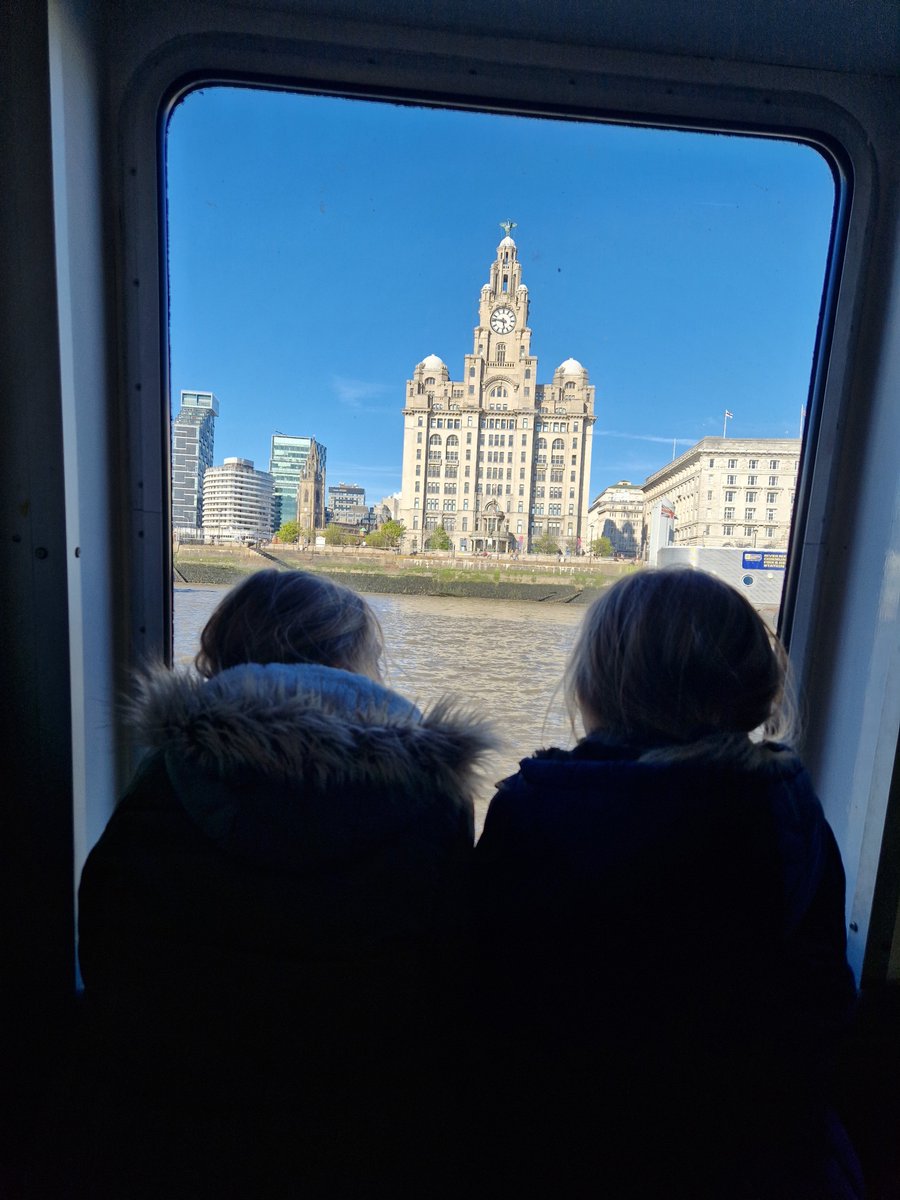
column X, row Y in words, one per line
column 497, row 458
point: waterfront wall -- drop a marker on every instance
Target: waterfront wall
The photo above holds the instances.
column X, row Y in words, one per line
column 392, row 574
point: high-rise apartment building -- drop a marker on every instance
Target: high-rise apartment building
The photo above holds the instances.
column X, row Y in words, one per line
column 193, row 433
column 729, row 492
column 344, row 502
column 497, row 458
column 286, row 463
column 237, row 503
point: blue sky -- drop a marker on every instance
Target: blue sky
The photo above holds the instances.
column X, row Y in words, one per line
column 319, row 248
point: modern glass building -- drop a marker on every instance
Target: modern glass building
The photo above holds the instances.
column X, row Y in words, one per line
column 193, row 433
column 286, row 463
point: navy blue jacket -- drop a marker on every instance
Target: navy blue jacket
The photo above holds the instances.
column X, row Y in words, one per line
column 662, row 959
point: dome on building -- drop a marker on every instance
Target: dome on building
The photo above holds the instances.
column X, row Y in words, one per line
column 571, row 367
column 432, row 363
column 507, row 243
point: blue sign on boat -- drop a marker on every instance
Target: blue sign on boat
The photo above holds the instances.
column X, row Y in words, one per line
column 764, row 560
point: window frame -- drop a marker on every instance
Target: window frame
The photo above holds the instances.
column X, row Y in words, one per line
column 738, row 98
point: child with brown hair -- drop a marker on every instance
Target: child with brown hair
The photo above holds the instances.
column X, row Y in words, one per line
column 661, row 910
column 272, row 924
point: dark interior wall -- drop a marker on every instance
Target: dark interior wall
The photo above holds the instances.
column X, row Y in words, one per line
column 36, row 846
column 37, row 568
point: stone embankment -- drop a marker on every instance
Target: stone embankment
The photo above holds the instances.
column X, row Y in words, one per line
column 478, row 578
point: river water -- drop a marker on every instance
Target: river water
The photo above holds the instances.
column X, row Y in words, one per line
column 504, row 658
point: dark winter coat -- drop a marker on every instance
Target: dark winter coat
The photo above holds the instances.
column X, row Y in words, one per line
column 270, row 933
column 663, row 969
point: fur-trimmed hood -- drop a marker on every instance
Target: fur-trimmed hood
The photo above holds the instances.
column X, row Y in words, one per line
column 284, row 753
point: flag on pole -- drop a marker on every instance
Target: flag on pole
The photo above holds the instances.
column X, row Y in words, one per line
column 729, row 416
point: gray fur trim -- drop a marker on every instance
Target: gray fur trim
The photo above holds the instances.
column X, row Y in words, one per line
column 236, row 722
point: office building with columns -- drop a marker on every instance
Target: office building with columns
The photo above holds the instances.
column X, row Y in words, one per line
column 496, row 458
column 729, row 492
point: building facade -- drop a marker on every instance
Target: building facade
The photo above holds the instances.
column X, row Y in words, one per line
column 237, row 503
column 618, row 514
column 344, row 501
column 193, row 435
column 729, row 492
column 496, row 458
column 286, row 462
column 391, row 506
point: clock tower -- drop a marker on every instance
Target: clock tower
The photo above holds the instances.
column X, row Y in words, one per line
column 497, row 459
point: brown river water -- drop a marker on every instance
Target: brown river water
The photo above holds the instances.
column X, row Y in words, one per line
column 504, row 658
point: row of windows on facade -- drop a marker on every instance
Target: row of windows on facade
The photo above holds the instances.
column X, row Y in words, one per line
column 435, row 458
column 451, row 456
column 434, row 487
column 691, row 485
column 490, row 472
column 559, row 410
column 228, row 495
column 500, row 423
column 451, row 470
column 448, row 503
column 752, row 481
column 772, row 497
column 750, row 497
column 536, row 528
column 493, row 439
column 752, row 464
column 749, row 514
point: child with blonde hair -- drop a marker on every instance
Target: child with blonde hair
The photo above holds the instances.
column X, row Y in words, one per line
column 662, row 946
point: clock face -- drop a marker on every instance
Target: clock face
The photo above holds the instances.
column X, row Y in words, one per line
column 503, row 320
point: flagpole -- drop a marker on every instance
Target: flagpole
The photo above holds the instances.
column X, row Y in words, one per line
column 726, row 418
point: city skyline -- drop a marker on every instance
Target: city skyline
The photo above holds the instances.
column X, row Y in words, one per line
column 320, row 248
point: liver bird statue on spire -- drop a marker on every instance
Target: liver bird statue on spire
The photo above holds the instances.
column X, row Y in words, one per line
column 508, row 226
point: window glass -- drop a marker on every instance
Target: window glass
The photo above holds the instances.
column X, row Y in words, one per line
column 323, row 292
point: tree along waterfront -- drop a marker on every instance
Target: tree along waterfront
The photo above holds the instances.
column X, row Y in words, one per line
column 504, row 658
